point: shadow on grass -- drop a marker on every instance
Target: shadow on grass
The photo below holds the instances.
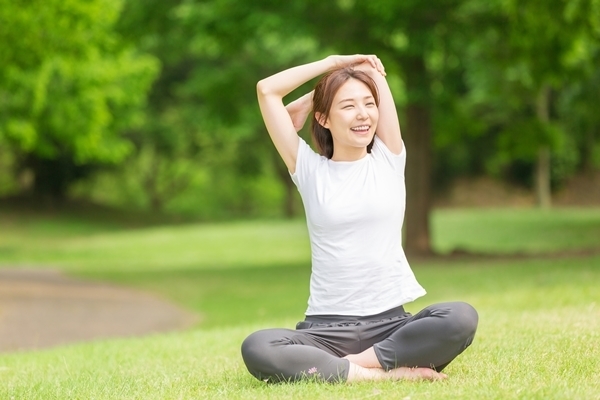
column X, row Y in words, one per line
column 102, row 218
column 460, row 254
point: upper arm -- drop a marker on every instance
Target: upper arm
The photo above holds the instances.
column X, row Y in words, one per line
column 388, row 127
column 280, row 126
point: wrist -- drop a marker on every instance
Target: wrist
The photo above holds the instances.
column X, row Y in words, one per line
column 331, row 63
column 369, row 70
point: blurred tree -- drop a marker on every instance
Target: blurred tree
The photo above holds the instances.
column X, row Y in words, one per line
column 516, row 68
column 68, row 89
column 203, row 107
column 465, row 70
column 578, row 102
column 578, row 110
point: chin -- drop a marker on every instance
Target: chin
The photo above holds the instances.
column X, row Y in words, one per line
column 367, row 140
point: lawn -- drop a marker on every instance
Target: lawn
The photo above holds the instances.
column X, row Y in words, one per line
column 539, row 333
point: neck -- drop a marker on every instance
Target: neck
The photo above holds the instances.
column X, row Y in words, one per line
column 348, row 153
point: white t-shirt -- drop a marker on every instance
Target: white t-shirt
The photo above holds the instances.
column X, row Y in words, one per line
column 354, row 212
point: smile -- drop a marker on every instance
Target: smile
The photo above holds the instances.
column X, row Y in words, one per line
column 361, row 129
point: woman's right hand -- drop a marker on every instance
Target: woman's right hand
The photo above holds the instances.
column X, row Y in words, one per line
column 358, row 59
column 299, row 110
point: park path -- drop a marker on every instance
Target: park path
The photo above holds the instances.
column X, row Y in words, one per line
column 44, row 308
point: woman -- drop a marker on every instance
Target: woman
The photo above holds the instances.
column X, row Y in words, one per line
column 354, row 197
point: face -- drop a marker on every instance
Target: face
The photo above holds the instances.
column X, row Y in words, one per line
column 352, row 119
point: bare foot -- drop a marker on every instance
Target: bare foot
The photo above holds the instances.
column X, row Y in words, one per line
column 416, row 374
column 366, row 366
column 358, row 373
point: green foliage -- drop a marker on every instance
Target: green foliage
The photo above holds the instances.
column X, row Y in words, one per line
column 577, row 108
column 203, row 113
column 164, row 91
column 68, row 89
column 516, row 61
column 79, row 244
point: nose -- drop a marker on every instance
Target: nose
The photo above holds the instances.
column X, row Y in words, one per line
column 361, row 112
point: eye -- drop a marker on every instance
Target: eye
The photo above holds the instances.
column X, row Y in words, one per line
column 348, row 107
column 371, row 103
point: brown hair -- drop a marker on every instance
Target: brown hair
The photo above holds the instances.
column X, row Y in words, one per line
column 325, row 91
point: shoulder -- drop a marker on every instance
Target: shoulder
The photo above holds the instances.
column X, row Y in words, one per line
column 382, row 153
column 307, row 161
column 379, row 147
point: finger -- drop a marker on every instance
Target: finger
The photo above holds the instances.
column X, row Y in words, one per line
column 373, row 62
column 380, row 67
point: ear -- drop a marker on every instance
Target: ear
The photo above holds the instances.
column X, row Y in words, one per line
column 321, row 120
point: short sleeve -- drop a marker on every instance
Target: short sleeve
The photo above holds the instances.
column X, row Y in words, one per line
column 307, row 162
column 381, row 152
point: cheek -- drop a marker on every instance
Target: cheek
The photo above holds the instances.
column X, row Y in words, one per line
column 336, row 119
column 375, row 115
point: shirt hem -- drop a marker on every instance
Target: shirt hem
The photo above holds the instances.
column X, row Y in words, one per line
column 373, row 311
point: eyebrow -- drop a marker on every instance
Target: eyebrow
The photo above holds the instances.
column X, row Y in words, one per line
column 364, row 98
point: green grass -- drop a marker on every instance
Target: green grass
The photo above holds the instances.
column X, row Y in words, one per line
column 79, row 246
column 516, row 230
column 538, row 338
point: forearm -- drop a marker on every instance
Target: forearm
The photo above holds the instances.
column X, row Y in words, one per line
column 301, row 103
column 286, row 81
column 387, row 106
column 388, row 127
column 383, row 88
column 299, row 110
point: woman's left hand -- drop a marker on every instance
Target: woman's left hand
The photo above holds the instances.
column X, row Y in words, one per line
column 360, row 61
column 371, row 62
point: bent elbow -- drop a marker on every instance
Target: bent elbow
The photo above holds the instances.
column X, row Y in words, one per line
column 262, row 88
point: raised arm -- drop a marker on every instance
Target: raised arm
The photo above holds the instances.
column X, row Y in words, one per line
column 272, row 90
column 388, row 127
column 299, row 110
column 278, row 121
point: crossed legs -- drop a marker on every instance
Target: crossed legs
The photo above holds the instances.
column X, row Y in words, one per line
column 415, row 347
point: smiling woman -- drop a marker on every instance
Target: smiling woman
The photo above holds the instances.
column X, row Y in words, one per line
column 354, row 195
column 345, row 106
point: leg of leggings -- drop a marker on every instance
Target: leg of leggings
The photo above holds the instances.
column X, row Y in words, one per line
column 432, row 338
column 276, row 355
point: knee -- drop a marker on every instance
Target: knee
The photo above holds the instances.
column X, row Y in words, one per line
column 463, row 321
column 253, row 349
column 259, row 353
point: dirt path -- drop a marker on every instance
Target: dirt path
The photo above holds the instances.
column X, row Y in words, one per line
column 43, row 308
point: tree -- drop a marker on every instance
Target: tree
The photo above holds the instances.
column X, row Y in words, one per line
column 577, row 107
column 213, row 54
column 68, row 89
column 516, row 68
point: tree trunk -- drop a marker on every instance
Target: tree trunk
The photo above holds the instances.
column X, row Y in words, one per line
column 150, row 184
column 542, row 172
column 418, row 187
column 587, row 153
column 53, row 177
column 542, row 178
column 417, row 138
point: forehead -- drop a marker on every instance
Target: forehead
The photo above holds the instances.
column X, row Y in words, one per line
column 352, row 89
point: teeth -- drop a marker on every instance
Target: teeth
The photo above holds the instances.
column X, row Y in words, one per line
column 361, row 128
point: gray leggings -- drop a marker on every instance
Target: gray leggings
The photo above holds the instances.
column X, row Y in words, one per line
column 431, row 338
